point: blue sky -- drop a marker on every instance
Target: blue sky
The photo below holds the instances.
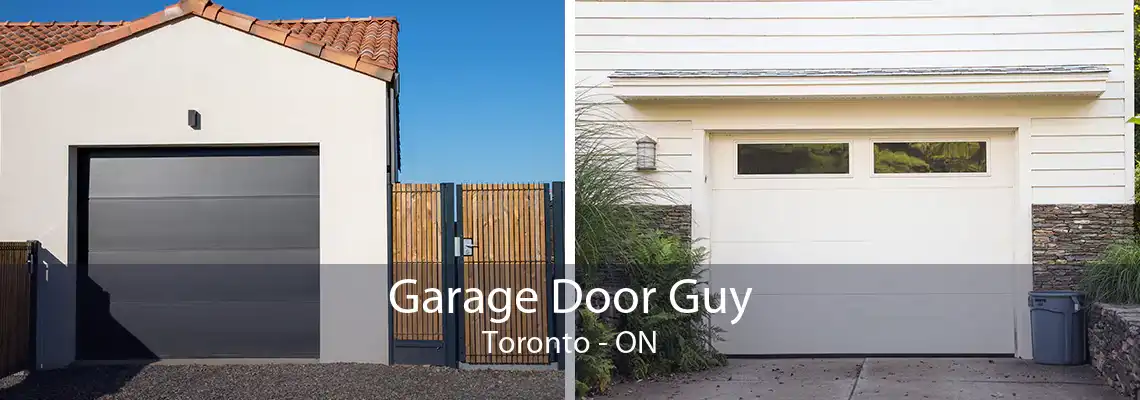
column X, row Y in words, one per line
column 481, row 81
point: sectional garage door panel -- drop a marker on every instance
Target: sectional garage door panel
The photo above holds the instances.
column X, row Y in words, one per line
column 869, row 309
column 861, row 263
column 196, row 175
column 221, row 329
column 880, row 324
column 202, row 283
column 939, row 225
column 856, row 279
column 200, row 254
column 219, row 256
column 214, row 223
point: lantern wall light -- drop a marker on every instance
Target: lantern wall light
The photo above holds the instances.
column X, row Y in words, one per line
column 646, row 154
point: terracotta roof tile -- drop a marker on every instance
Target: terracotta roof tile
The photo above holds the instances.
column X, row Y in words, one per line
column 210, row 12
column 340, row 57
column 308, row 46
column 110, row 36
column 235, row 20
column 367, row 45
column 374, row 39
column 21, row 41
column 269, row 32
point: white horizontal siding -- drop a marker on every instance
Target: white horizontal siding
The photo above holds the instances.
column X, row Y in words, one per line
column 678, row 147
column 1077, row 144
column 984, row 26
column 1107, row 122
column 675, row 163
column 1094, row 147
column 675, row 144
column 1078, row 161
column 670, row 179
column 1078, row 151
column 1086, row 195
column 766, row 10
column 844, row 44
column 1078, row 178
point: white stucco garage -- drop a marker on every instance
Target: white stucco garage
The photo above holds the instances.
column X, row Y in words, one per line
column 172, row 167
column 888, row 177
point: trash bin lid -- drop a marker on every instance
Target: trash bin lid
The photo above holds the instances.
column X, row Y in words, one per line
column 1055, row 293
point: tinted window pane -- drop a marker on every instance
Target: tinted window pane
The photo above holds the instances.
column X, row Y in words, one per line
column 930, row 157
column 792, row 158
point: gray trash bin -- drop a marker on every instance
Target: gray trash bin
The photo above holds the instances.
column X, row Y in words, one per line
column 1058, row 319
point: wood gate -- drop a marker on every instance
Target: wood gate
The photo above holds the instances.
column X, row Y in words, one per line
column 506, row 244
column 17, row 306
column 483, row 236
column 422, row 221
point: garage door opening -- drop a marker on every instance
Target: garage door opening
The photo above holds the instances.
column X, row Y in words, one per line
column 197, row 253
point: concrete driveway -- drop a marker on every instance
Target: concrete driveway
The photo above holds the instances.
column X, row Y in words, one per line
column 878, row 378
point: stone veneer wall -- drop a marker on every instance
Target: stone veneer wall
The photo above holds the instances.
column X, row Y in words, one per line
column 1066, row 236
column 671, row 220
column 1114, row 346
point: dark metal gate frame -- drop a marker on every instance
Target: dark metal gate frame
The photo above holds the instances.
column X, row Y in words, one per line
column 33, row 301
column 558, row 241
column 451, row 204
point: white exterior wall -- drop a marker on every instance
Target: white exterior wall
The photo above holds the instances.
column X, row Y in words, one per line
column 1068, row 150
column 1078, row 151
column 249, row 91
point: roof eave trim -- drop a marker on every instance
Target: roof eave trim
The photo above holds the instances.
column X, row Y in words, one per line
column 859, row 72
column 1088, row 83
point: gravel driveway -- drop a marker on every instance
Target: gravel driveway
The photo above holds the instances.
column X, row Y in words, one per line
column 282, row 381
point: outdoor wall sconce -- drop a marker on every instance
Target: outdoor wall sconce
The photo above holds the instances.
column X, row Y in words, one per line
column 646, row 154
column 194, row 119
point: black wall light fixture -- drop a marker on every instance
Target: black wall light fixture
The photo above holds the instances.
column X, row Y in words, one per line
column 194, row 119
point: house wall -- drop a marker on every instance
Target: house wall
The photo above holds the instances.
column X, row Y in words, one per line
column 249, row 92
column 1068, row 150
column 1079, row 154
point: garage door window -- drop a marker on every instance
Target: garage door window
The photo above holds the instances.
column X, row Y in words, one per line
column 793, row 158
column 930, row 157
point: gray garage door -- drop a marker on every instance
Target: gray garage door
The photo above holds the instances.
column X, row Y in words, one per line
column 199, row 254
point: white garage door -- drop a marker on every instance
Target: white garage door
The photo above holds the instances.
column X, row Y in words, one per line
column 865, row 244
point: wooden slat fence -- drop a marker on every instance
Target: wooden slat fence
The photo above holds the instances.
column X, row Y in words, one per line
column 416, row 252
column 508, row 225
column 15, row 307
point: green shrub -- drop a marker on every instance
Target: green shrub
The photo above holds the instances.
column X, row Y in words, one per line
column 1114, row 277
column 611, row 234
column 684, row 341
column 594, row 369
